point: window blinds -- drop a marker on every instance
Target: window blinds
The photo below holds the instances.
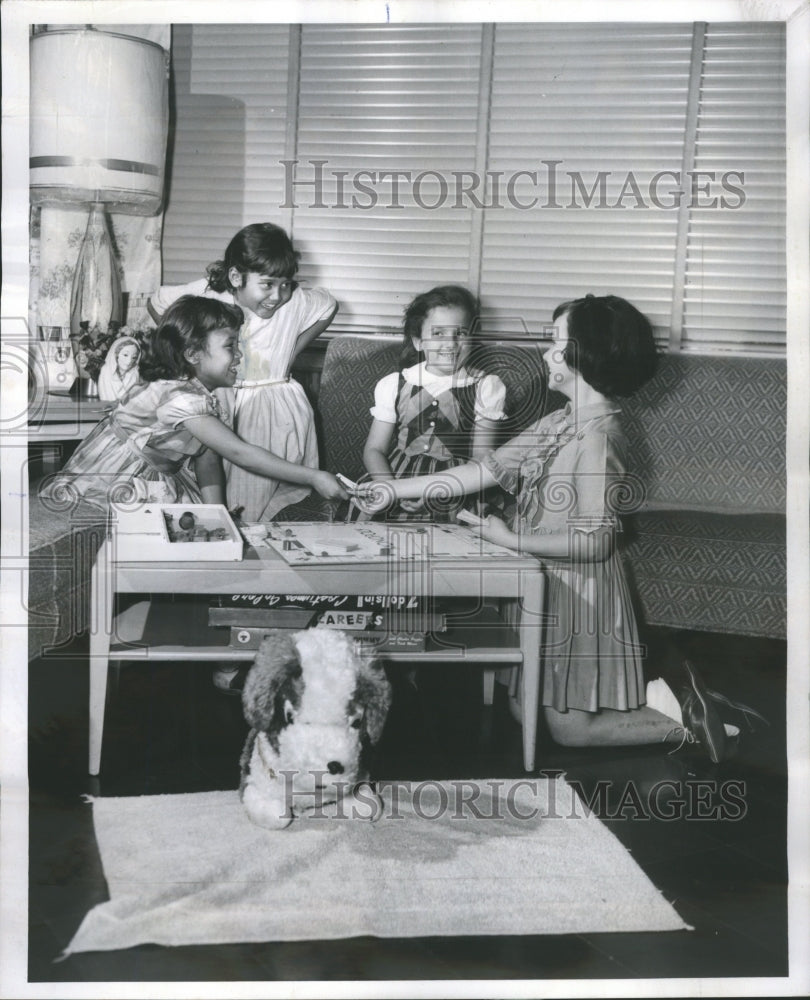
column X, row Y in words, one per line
column 578, row 135
column 594, row 112
column 377, row 100
column 230, row 95
column 734, row 294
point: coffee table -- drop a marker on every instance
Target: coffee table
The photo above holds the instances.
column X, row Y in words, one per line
column 123, row 636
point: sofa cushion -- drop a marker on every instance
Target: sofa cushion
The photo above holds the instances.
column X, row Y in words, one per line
column 708, row 433
column 709, row 572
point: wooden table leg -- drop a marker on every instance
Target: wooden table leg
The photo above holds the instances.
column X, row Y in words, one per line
column 531, row 631
column 101, row 618
column 489, row 685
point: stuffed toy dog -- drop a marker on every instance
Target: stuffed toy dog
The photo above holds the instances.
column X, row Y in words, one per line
column 315, row 705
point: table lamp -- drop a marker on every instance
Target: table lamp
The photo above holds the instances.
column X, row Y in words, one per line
column 99, row 114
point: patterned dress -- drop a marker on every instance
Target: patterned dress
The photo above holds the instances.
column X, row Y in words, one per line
column 568, row 471
column 141, row 450
column 269, row 408
column 435, row 416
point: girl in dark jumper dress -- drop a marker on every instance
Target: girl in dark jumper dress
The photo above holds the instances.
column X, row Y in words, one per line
column 434, row 413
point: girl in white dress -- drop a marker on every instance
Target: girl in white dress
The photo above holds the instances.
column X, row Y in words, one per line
column 269, row 408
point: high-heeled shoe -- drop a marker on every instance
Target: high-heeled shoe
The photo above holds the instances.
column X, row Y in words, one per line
column 700, row 717
column 745, row 710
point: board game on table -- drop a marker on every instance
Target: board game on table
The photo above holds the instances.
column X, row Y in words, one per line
column 320, row 543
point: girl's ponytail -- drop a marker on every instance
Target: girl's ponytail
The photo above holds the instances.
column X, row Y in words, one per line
column 217, row 274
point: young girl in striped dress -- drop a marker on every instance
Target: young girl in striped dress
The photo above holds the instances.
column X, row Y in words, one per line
column 166, row 440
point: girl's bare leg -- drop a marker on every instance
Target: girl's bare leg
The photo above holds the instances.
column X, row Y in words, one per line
column 611, row 728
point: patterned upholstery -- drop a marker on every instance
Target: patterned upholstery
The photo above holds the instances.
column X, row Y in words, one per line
column 62, row 549
column 709, row 434
column 707, row 549
column 351, row 369
column 710, row 572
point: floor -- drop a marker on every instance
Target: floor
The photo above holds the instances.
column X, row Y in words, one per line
column 168, row 730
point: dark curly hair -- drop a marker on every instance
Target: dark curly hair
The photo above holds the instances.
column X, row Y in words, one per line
column 453, row 296
column 184, row 327
column 610, row 343
column 262, row 247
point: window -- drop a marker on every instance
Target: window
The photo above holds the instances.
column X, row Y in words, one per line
column 592, row 114
column 531, row 162
column 230, row 118
column 735, row 278
column 390, row 114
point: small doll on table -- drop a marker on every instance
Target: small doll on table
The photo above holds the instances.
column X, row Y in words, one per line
column 119, row 373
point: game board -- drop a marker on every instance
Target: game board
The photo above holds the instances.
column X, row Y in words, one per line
column 320, row 543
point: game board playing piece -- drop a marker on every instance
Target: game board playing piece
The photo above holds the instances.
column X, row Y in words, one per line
column 337, row 545
column 346, row 483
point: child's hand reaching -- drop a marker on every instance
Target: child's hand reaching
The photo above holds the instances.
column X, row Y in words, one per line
column 493, row 529
column 328, row 486
column 375, row 497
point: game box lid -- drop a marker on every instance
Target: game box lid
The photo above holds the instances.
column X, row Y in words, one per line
column 176, row 533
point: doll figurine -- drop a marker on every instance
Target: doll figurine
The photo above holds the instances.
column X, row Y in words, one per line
column 119, row 373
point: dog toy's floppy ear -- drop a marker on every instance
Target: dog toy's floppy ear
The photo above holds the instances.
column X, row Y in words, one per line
column 276, row 663
column 373, row 693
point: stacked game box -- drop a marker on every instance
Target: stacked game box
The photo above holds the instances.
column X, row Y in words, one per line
column 390, row 623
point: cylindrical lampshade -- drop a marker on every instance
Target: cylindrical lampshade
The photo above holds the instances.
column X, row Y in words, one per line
column 99, row 113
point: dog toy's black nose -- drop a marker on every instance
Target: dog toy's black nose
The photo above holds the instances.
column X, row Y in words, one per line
column 335, row 767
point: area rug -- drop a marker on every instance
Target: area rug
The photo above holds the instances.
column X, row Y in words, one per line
column 452, row 858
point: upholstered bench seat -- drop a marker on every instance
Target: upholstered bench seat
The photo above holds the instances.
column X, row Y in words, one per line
column 710, row 572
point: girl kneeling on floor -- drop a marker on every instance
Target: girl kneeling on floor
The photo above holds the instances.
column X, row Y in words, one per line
column 568, row 473
column 172, row 423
